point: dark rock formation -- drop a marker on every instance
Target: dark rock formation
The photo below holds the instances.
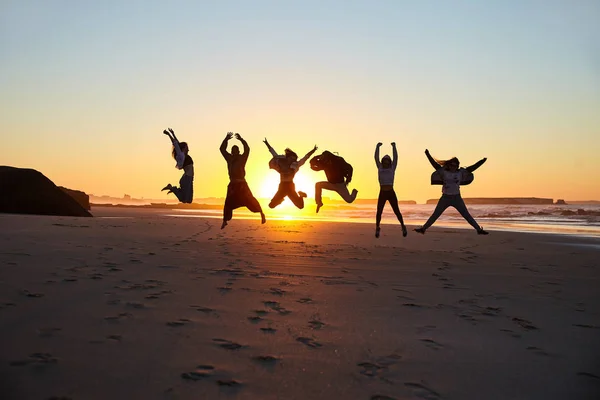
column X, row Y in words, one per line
column 27, row 191
column 79, row 196
column 560, row 202
column 501, row 200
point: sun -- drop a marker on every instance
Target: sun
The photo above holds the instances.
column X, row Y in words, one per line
column 270, row 184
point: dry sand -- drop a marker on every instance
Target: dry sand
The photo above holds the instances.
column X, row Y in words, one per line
column 155, row 307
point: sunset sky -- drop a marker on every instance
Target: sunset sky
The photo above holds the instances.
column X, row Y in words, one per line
column 88, row 87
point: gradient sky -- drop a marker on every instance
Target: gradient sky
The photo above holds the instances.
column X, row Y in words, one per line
column 88, row 87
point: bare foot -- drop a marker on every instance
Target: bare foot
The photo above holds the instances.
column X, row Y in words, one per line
column 224, row 224
column 263, row 219
column 319, row 207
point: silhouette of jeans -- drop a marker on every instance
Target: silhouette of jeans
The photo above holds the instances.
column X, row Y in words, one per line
column 456, row 201
column 185, row 191
column 340, row 188
column 286, row 189
column 384, row 196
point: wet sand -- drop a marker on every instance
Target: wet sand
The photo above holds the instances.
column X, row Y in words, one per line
column 156, row 307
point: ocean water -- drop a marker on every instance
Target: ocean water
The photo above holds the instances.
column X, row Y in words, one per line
column 579, row 219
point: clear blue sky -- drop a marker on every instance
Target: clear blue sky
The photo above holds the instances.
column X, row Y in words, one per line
column 87, row 87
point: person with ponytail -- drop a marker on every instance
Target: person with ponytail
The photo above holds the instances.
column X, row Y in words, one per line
column 449, row 174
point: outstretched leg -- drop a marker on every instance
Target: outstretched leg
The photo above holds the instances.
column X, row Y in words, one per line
column 461, row 207
column 394, row 203
column 441, row 206
column 296, row 198
column 279, row 196
column 342, row 190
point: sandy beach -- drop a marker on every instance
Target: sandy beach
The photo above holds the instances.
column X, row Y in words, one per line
column 145, row 306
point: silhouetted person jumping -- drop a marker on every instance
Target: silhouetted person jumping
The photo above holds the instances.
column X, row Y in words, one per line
column 287, row 165
column 185, row 191
column 386, row 169
column 238, row 192
column 339, row 175
column 448, row 174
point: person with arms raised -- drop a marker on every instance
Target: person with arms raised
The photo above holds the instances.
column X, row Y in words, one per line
column 238, row 192
column 185, row 191
column 287, row 165
column 449, row 174
column 386, row 169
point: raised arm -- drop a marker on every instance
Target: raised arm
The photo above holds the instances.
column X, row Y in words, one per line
column 223, row 147
column 476, row 165
column 434, row 163
column 244, row 143
column 179, row 156
column 306, row 157
column 394, row 156
column 271, row 149
column 377, row 160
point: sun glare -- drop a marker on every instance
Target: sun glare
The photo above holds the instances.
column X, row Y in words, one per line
column 270, row 184
column 287, row 210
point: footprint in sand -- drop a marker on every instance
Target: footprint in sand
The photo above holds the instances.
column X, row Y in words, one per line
column 179, row 322
column 309, row 342
column 27, row 293
column 305, row 300
column 413, row 305
column 117, row 318
column 511, row 333
column 538, row 351
column 423, row 391
column 255, row 319
column 224, row 289
column 432, row 344
column 134, row 304
column 276, row 307
column 266, row 360
column 201, row 372
column 586, row 326
column 316, row 323
column 227, row 344
column 268, row 330
column 381, row 397
column 36, row 359
column 370, row 369
column 277, row 291
column 588, row 375
column 525, row 324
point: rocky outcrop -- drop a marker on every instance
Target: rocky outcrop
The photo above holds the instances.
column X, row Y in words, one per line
column 81, row 197
column 27, row 191
column 501, row 200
